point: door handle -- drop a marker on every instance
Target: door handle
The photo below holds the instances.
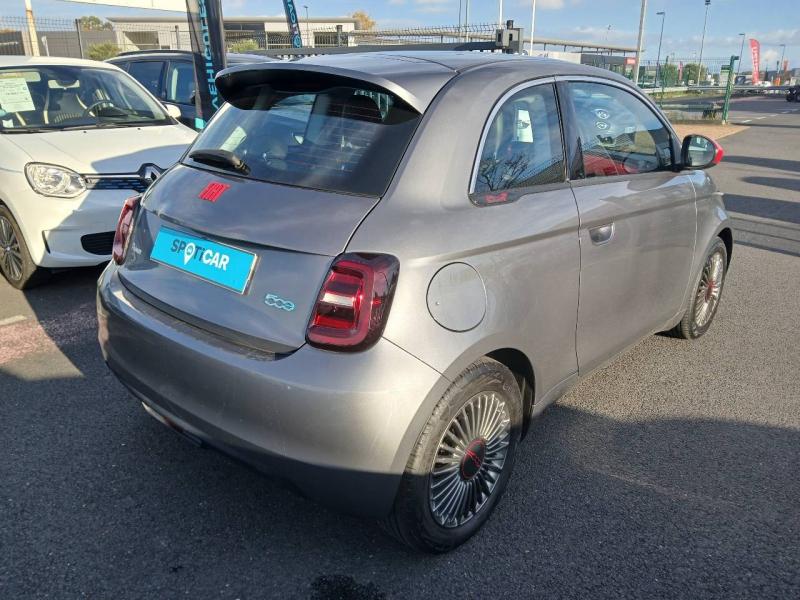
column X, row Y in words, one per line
column 601, row 234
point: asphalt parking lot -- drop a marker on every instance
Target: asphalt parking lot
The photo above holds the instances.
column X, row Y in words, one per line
column 674, row 472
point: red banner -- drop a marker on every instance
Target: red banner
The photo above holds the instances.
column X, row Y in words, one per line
column 755, row 52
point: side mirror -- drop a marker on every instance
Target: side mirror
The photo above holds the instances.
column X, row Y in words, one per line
column 700, row 152
column 173, row 111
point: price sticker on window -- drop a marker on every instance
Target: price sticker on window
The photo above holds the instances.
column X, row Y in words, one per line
column 15, row 95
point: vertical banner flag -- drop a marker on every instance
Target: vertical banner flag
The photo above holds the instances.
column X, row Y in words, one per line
column 755, row 52
column 293, row 23
column 206, row 31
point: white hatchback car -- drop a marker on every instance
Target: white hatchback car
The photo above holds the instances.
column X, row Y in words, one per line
column 77, row 137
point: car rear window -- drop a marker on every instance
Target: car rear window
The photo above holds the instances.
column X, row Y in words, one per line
column 342, row 138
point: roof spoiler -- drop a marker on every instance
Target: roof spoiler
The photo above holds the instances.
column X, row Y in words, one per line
column 231, row 81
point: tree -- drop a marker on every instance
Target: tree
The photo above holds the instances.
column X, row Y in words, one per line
column 669, row 74
column 690, row 73
column 243, row 46
column 364, row 20
column 92, row 23
column 102, row 51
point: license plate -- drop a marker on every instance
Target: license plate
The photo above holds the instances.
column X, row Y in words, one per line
column 216, row 263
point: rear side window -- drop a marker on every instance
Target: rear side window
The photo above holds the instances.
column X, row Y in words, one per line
column 342, row 138
column 620, row 134
column 523, row 146
column 149, row 74
column 180, row 82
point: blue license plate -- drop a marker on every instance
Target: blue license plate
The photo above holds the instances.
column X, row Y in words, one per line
column 217, row 263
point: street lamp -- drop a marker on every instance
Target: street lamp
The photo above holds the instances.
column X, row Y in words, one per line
column 741, row 49
column 780, row 64
column 533, row 21
column 639, row 43
column 702, row 43
column 308, row 27
column 663, row 16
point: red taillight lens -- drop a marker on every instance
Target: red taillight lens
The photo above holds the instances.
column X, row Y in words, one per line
column 124, row 226
column 354, row 302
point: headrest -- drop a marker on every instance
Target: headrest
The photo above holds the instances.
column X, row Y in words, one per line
column 361, row 108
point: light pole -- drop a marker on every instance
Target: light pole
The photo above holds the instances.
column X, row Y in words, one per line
column 663, row 16
column 500, row 12
column 780, row 64
column 308, row 28
column 31, row 28
column 741, row 49
column 533, row 21
column 702, row 43
column 639, row 43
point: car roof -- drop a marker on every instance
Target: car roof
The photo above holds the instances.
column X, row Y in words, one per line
column 30, row 61
column 415, row 76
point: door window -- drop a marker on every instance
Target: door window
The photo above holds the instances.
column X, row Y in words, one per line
column 523, row 145
column 180, row 83
column 148, row 73
column 619, row 134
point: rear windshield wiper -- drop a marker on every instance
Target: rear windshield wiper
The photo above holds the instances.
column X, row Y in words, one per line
column 220, row 158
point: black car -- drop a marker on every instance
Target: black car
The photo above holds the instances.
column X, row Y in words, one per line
column 793, row 95
column 169, row 75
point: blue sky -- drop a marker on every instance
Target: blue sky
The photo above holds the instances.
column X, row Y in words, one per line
column 772, row 22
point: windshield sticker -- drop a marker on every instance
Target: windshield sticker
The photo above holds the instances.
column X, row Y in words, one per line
column 15, row 95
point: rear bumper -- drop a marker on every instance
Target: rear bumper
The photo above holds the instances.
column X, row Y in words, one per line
column 338, row 426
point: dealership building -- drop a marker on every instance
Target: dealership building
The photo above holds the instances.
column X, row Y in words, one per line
column 162, row 33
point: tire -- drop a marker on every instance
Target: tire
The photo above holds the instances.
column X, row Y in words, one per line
column 15, row 261
column 422, row 516
column 705, row 300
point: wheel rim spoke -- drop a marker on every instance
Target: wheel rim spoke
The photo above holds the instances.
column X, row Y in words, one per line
column 709, row 290
column 469, row 459
column 10, row 255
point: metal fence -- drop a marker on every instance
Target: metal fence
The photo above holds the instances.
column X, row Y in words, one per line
column 249, row 41
column 100, row 39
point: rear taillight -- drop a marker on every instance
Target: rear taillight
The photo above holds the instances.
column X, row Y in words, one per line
column 353, row 304
column 124, row 227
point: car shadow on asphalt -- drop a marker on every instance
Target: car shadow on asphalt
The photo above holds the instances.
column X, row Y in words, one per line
column 786, row 183
column 780, row 164
column 106, row 501
column 768, row 208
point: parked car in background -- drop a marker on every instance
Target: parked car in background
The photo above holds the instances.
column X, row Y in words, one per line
column 793, row 95
column 77, row 137
column 363, row 283
column 169, row 75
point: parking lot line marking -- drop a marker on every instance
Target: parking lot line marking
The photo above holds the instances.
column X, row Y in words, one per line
column 747, row 120
column 12, row 320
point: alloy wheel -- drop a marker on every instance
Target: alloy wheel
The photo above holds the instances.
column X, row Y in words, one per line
column 709, row 290
column 469, row 459
column 10, row 254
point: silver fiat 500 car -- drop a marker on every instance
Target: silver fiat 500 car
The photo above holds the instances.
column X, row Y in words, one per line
column 370, row 271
